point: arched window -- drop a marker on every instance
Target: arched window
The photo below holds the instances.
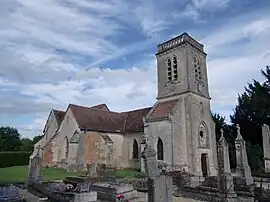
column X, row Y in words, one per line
column 160, row 150
column 175, row 69
column 197, row 69
column 203, row 135
column 66, row 147
column 135, row 150
column 169, row 69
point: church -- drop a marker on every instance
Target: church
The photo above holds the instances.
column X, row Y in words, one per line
column 179, row 126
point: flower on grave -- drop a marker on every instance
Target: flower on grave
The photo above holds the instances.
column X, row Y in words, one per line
column 119, row 196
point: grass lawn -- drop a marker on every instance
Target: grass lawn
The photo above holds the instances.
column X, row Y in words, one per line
column 125, row 173
column 19, row 174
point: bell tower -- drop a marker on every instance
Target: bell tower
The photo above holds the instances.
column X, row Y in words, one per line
column 181, row 67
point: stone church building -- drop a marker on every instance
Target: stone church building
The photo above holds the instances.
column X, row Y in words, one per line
column 179, row 126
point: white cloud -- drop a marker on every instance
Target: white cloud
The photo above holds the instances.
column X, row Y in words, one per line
column 41, row 48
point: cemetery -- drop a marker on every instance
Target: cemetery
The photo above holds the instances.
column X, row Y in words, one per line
column 170, row 152
column 156, row 184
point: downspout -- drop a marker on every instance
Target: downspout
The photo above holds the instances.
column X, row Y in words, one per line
column 170, row 119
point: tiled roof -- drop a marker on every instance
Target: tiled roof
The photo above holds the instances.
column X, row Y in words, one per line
column 100, row 118
column 59, row 115
column 97, row 120
column 134, row 120
column 90, row 118
column 101, row 107
column 162, row 110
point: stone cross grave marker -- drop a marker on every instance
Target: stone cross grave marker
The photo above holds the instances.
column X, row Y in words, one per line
column 159, row 186
column 266, row 147
column 242, row 168
column 225, row 177
column 34, row 168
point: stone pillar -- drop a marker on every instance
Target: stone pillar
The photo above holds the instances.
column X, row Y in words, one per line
column 34, row 168
column 266, row 147
column 225, row 177
column 242, row 168
column 159, row 185
column 143, row 142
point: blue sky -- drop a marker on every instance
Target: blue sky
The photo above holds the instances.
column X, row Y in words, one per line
column 55, row 52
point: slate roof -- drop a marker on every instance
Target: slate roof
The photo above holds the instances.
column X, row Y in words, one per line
column 162, row 110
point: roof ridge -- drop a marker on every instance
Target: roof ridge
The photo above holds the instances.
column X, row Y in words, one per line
column 136, row 110
column 58, row 110
column 95, row 109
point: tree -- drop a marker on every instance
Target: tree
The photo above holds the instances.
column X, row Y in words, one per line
column 37, row 138
column 9, row 139
column 253, row 109
column 228, row 129
column 26, row 145
column 229, row 135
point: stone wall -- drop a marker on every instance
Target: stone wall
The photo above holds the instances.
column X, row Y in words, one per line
column 66, row 130
column 162, row 130
column 94, row 148
column 47, row 159
column 127, row 160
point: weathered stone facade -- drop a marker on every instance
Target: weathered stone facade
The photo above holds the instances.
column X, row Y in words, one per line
column 179, row 126
column 187, row 131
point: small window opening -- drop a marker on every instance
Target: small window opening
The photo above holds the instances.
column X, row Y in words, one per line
column 169, row 69
column 175, row 70
column 201, row 134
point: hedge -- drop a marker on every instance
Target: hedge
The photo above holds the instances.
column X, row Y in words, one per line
column 8, row 159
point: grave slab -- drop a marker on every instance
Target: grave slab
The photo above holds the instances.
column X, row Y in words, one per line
column 107, row 191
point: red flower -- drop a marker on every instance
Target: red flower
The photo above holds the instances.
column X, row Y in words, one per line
column 120, row 196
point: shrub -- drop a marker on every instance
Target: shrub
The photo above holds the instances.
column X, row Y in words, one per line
column 8, row 159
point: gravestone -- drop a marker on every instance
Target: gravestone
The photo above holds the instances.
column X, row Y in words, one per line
column 159, row 186
column 10, row 193
column 242, row 167
column 266, row 147
column 92, row 169
column 143, row 143
column 34, row 168
column 107, row 191
column 224, row 176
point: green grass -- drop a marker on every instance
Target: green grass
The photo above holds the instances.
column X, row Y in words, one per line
column 19, row 174
column 126, row 173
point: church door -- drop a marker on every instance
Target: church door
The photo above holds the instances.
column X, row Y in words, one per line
column 204, row 164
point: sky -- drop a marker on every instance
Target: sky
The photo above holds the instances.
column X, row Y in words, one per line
column 87, row 52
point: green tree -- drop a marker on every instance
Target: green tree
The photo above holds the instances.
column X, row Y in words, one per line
column 9, row 139
column 37, row 138
column 253, row 109
column 229, row 135
column 27, row 145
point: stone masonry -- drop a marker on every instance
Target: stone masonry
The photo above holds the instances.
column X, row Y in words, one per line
column 242, row 167
column 179, row 127
column 266, row 147
column 225, row 177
